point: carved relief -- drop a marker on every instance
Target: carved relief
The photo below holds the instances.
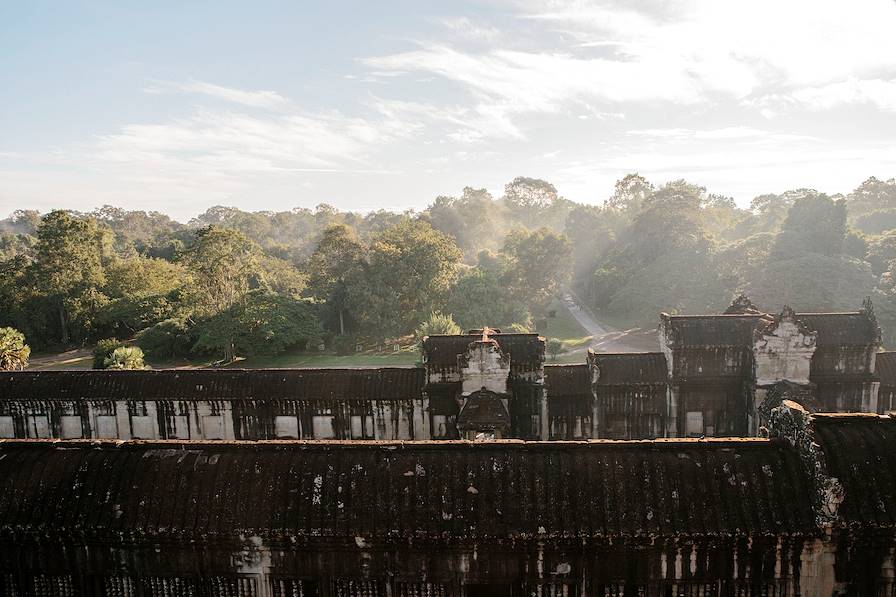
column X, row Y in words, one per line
column 484, row 366
column 783, row 350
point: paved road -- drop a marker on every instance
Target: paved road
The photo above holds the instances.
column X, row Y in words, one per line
column 607, row 338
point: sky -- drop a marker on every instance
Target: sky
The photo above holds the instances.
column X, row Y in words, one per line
column 179, row 106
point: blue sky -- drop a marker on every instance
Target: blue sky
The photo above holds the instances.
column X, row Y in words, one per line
column 178, row 106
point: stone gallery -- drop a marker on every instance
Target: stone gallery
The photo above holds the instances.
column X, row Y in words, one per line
column 760, row 461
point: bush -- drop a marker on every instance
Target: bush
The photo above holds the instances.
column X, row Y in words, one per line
column 437, row 323
column 344, row 345
column 167, row 339
column 266, row 324
column 554, row 348
column 14, row 352
column 103, row 350
column 125, row 357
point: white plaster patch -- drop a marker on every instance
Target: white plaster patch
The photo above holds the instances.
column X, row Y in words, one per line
column 315, row 495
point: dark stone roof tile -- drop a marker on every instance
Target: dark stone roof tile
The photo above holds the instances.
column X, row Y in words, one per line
column 432, row 489
column 208, row 384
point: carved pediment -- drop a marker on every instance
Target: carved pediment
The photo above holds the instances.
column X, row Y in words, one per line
column 484, row 365
column 787, row 324
column 783, row 349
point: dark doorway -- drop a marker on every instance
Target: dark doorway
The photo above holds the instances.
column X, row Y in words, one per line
column 491, row 590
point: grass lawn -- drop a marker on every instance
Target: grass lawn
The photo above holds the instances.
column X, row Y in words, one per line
column 565, row 328
column 364, row 359
column 83, row 359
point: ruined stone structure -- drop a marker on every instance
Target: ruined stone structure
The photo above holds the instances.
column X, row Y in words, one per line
column 810, row 511
column 726, row 372
column 371, row 482
column 717, row 375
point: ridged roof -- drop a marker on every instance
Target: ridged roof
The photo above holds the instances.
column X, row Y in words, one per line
column 206, row 384
column 420, row 489
column 838, row 329
column 860, row 450
column 630, row 368
column 712, row 330
column 567, row 381
column 834, row 329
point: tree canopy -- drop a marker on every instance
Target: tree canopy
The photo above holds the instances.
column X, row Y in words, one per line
column 233, row 283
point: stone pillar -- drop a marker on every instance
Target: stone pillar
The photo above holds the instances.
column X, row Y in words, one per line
column 227, row 415
column 421, row 419
column 123, row 419
column 672, row 413
column 595, row 415
column 545, row 420
column 871, row 390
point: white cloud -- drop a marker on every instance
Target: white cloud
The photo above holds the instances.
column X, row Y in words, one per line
column 796, row 42
column 730, row 133
column 210, row 154
column 542, row 82
column 465, row 124
column 879, row 93
column 255, row 99
column 464, row 28
column 687, row 53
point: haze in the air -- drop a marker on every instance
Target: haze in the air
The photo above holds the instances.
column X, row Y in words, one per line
column 176, row 106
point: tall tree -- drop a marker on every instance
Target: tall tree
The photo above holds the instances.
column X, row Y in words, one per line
column 629, row 194
column 815, row 223
column 480, row 298
column 468, row 219
column 68, row 265
column 529, row 199
column 262, row 324
column 223, row 262
column 337, row 258
column 409, row 270
column 540, row 263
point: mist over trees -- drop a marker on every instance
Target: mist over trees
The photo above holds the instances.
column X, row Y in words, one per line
column 234, row 283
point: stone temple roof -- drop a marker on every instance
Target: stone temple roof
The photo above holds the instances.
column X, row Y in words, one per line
column 387, row 383
column 630, row 368
column 567, row 381
column 855, row 328
column 500, row 489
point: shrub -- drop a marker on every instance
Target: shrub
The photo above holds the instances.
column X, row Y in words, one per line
column 437, row 323
column 344, row 345
column 14, row 352
column 125, row 357
column 167, row 339
column 102, row 351
column 554, row 348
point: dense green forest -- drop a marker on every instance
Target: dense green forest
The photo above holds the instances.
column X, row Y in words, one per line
column 233, row 283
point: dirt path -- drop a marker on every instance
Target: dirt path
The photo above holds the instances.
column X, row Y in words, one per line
column 78, row 358
column 607, row 338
